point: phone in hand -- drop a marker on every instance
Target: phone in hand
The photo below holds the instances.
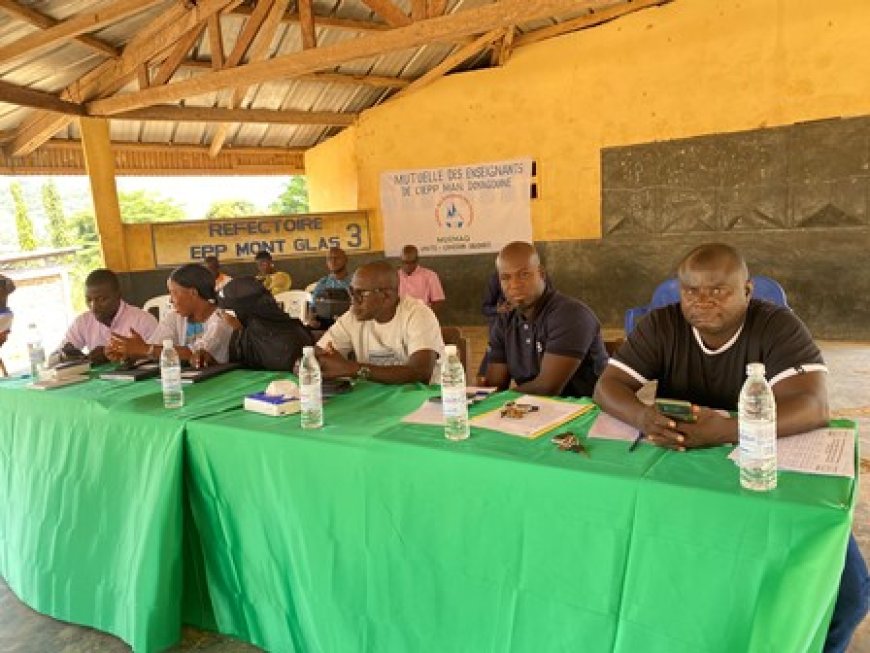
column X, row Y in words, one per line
column 677, row 409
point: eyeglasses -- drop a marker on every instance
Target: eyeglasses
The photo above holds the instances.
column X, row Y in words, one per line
column 359, row 295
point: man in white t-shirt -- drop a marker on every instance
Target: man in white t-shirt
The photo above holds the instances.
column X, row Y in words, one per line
column 393, row 340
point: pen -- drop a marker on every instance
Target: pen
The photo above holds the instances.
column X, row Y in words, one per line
column 640, row 436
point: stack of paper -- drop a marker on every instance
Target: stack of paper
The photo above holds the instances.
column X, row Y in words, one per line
column 828, row 451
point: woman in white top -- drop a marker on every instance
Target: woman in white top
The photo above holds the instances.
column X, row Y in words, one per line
column 195, row 325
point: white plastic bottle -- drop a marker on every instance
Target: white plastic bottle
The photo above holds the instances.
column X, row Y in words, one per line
column 757, row 429
column 35, row 351
column 454, row 402
column 310, row 390
column 170, row 376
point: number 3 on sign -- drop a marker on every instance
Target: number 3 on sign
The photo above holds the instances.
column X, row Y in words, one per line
column 355, row 235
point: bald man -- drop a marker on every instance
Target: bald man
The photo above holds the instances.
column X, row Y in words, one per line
column 698, row 350
column 547, row 343
column 393, row 340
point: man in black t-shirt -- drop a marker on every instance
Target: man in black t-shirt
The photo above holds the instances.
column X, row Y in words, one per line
column 698, row 351
column 549, row 343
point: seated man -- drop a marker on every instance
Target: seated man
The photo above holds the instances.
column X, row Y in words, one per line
column 698, row 351
column 417, row 281
column 548, row 343
column 108, row 314
column 338, row 280
column 393, row 340
column 6, row 288
column 272, row 278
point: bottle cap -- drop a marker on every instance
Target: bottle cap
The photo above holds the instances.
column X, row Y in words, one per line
column 168, row 344
column 450, row 350
column 307, row 350
column 755, row 369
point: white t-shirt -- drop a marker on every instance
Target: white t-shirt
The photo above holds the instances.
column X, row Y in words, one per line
column 414, row 327
column 213, row 335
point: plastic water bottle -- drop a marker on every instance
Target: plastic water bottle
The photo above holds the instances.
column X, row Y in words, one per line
column 310, row 390
column 35, row 351
column 757, row 429
column 170, row 375
column 454, row 401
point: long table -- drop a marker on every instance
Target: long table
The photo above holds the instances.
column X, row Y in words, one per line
column 371, row 535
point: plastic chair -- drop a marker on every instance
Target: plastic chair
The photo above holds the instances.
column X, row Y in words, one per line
column 295, row 303
column 311, row 286
column 162, row 303
column 668, row 292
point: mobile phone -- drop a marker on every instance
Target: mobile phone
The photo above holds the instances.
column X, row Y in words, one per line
column 677, row 409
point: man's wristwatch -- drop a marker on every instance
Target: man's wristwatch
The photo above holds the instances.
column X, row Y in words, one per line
column 363, row 372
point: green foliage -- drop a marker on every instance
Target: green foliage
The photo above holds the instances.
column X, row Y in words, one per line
column 57, row 227
column 147, row 206
column 23, row 223
column 230, row 209
column 294, row 199
column 83, row 230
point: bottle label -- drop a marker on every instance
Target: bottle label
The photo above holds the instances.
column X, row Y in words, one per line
column 310, row 397
column 453, row 402
column 757, row 439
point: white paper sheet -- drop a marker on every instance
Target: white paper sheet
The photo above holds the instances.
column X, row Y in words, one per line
column 607, row 427
column 828, row 451
column 550, row 414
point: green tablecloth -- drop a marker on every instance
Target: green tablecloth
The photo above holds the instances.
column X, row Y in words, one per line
column 369, row 535
column 92, row 506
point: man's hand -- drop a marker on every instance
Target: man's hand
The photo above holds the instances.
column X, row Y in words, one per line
column 132, row 346
column 710, row 428
column 98, row 356
column 661, row 430
column 333, row 364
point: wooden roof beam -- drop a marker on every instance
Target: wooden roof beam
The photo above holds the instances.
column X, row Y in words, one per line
column 394, row 16
column 38, row 19
column 111, row 75
column 324, row 78
column 594, row 17
column 306, row 24
column 324, row 21
column 28, row 97
column 252, row 116
column 450, row 27
column 437, row 8
column 461, row 55
column 178, row 54
column 78, row 24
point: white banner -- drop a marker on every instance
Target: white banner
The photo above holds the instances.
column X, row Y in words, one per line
column 466, row 209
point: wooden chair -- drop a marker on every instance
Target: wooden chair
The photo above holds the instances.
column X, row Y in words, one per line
column 453, row 336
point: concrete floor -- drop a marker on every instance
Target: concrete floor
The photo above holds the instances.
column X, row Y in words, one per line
column 24, row 631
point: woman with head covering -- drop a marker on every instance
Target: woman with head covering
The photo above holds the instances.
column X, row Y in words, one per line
column 266, row 337
column 196, row 326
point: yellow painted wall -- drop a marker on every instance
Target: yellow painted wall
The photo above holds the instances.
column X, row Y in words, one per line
column 691, row 67
column 338, row 157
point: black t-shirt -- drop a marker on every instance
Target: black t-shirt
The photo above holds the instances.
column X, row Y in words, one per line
column 563, row 326
column 665, row 347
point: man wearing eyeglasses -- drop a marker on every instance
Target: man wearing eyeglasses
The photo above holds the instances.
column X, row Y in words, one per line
column 393, row 340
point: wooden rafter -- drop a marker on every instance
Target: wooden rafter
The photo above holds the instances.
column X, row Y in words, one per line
column 450, row 27
column 259, row 51
column 461, row 55
column 419, row 9
column 38, row 19
column 178, row 55
column 325, row 21
column 389, row 12
column 109, row 76
column 248, row 33
column 590, row 20
column 215, row 42
column 437, row 8
column 28, row 97
column 323, row 78
column 306, row 24
column 502, row 50
column 143, row 76
column 174, row 113
column 69, row 29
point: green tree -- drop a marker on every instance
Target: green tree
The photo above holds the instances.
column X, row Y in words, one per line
column 57, row 227
column 230, row 209
column 294, row 199
column 23, row 223
column 83, row 232
column 147, row 206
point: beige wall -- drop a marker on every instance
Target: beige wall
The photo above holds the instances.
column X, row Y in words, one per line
column 691, row 67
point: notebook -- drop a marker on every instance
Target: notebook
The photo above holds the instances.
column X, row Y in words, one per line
column 195, row 375
column 145, row 369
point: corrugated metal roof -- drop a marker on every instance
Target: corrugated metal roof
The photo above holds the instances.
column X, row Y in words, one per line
column 54, row 68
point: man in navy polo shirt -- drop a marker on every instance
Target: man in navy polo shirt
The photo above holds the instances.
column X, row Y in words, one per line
column 549, row 343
